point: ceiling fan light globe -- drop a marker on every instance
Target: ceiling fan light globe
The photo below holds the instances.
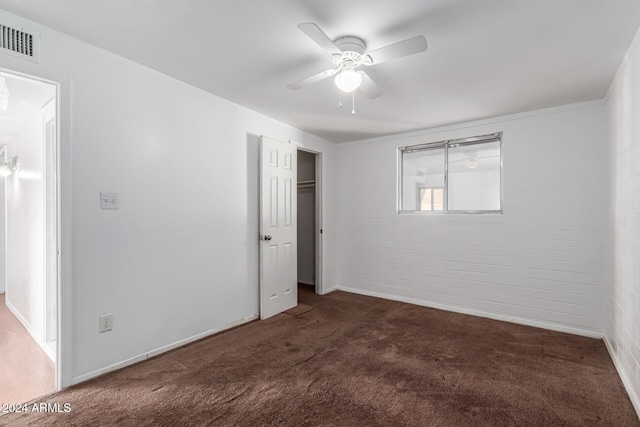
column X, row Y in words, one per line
column 348, row 80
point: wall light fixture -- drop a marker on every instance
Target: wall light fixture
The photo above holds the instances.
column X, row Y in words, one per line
column 9, row 167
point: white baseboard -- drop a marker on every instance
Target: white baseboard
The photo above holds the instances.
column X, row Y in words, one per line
column 51, row 350
column 51, row 355
column 626, row 381
column 331, row 289
column 479, row 313
column 160, row 350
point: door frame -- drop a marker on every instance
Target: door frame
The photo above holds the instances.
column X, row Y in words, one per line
column 50, row 291
column 319, row 288
column 63, row 205
column 3, row 157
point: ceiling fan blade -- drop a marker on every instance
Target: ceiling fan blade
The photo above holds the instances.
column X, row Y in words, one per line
column 369, row 87
column 313, row 79
column 317, row 35
column 406, row 47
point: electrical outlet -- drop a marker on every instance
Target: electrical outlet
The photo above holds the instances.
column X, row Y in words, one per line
column 105, row 322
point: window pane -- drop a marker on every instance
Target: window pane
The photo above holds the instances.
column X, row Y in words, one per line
column 425, row 199
column 474, row 177
column 438, row 199
column 421, row 169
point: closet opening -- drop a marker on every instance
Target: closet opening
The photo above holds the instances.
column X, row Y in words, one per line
column 309, row 221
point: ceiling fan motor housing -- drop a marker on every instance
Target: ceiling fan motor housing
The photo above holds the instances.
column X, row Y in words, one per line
column 352, row 56
column 351, row 44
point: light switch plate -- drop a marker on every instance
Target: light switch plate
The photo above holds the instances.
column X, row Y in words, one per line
column 109, row 201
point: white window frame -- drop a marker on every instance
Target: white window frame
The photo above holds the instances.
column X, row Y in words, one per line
column 446, row 144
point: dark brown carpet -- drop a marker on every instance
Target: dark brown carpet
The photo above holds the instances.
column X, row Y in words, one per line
column 349, row 360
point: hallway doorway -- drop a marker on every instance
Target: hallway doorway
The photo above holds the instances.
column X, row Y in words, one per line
column 28, row 296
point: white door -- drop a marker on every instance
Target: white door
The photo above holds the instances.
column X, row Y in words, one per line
column 278, row 227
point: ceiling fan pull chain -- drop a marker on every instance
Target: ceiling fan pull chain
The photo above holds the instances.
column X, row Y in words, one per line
column 339, row 98
column 353, row 103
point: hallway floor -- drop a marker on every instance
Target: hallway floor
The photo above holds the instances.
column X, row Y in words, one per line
column 26, row 372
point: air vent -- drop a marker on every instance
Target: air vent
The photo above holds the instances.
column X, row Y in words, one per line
column 19, row 43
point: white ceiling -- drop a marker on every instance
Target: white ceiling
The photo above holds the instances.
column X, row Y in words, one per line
column 486, row 57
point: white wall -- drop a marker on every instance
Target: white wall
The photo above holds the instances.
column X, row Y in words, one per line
column 623, row 249
column 25, row 228
column 180, row 256
column 539, row 263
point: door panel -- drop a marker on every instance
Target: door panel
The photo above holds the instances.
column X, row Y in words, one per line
column 271, row 271
column 287, row 203
column 278, row 227
column 273, row 202
column 286, row 273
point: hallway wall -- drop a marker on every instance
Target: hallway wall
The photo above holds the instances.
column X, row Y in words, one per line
column 25, row 228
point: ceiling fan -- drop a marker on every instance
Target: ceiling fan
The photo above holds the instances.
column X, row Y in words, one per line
column 349, row 53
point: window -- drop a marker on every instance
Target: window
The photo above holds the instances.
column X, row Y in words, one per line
column 461, row 175
column 431, row 199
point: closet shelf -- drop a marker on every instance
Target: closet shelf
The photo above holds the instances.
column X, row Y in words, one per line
column 306, row 184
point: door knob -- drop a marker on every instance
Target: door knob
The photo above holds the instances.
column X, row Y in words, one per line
column 267, row 237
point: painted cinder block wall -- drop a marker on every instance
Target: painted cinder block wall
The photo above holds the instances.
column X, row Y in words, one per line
column 622, row 325
column 539, row 263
